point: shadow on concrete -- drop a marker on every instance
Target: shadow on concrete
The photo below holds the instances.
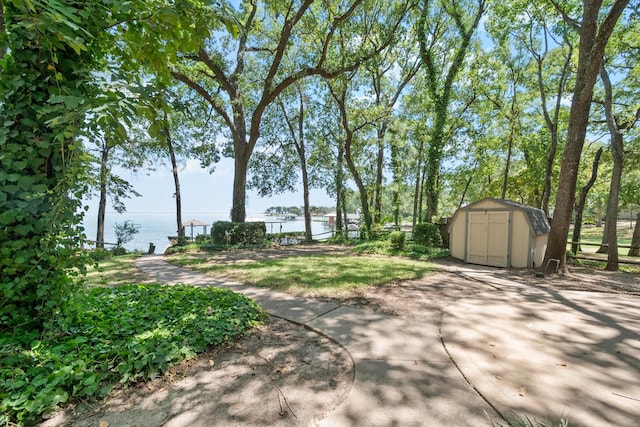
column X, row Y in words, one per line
column 547, row 354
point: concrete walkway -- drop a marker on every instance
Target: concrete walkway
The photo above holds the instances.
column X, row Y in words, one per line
column 538, row 353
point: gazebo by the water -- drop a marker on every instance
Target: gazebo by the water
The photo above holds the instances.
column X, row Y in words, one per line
column 195, row 223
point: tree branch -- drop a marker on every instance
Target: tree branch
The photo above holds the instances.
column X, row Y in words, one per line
column 205, row 94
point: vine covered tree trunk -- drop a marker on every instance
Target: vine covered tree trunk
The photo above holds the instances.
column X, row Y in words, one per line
column 42, row 91
column 443, row 58
column 417, row 190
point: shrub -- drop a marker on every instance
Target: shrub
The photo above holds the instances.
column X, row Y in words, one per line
column 234, row 233
column 427, row 234
column 397, row 240
column 375, row 247
column 203, row 238
column 118, row 250
column 99, row 254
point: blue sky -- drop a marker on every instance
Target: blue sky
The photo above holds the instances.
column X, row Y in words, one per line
column 202, row 192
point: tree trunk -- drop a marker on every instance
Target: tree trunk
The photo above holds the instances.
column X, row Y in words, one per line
column 436, row 148
column 417, row 192
column 298, row 138
column 505, row 176
column 102, row 204
column 617, row 154
column 308, row 236
column 593, row 40
column 340, row 99
column 362, row 191
column 397, row 182
column 604, row 248
column 241, row 163
column 440, row 91
column 377, row 202
column 176, row 180
column 635, row 240
column 305, row 173
column 582, row 199
column 339, row 188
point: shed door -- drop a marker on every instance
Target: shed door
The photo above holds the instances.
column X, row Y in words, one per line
column 487, row 241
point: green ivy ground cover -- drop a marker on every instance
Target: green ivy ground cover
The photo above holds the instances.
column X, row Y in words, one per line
column 111, row 335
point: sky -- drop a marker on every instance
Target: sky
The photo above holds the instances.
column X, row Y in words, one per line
column 201, row 192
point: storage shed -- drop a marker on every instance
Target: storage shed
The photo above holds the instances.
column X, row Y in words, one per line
column 499, row 233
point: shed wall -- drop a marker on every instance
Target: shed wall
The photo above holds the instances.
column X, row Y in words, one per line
column 524, row 249
column 520, row 240
column 539, row 247
column 457, row 238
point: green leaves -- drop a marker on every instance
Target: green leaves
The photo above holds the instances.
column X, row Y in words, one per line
column 124, row 334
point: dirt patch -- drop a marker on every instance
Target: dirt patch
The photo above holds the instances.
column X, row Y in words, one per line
column 279, row 375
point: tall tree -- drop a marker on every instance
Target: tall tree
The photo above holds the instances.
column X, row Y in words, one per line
column 109, row 146
column 109, row 185
column 273, row 37
column 390, row 73
column 594, row 29
column 445, row 31
column 582, row 200
column 610, row 237
column 283, row 160
column 551, row 115
column 549, row 40
column 340, row 91
column 296, row 127
column 178, row 129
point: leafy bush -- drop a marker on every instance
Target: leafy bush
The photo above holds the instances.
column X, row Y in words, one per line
column 118, row 250
column 234, row 233
column 124, row 334
column 397, row 240
column 416, row 250
column 374, row 247
column 427, row 234
column 203, row 238
column 99, row 254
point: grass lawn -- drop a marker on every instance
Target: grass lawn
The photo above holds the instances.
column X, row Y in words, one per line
column 317, row 275
column 592, row 234
column 115, row 270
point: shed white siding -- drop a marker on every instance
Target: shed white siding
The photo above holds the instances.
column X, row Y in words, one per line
column 499, row 233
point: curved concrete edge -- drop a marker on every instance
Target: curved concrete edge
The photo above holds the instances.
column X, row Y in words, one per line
column 549, row 355
column 402, row 374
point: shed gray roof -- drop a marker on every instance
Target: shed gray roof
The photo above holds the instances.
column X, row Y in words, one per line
column 536, row 217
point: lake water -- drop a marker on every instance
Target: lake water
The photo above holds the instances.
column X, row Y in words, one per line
column 156, row 227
